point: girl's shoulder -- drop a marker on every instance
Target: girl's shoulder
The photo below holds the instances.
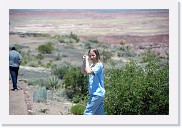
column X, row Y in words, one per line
column 99, row 64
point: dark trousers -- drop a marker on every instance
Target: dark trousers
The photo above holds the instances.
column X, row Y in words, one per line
column 14, row 75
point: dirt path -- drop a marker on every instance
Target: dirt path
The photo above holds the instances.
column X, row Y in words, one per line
column 17, row 103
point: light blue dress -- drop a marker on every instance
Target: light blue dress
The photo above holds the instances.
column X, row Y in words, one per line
column 96, row 89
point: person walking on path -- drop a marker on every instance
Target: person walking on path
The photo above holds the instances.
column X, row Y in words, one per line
column 14, row 63
column 95, row 105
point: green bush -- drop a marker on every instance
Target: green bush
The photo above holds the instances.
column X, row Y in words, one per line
column 75, row 83
column 137, row 90
column 49, row 64
column 46, row 48
column 40, row 56
column 76, row 99
column 77, row 109
column 60, row 70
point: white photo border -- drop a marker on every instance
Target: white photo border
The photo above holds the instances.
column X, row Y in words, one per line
column 171, row 119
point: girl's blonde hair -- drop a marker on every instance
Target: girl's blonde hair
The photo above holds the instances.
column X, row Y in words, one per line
column 96, row 52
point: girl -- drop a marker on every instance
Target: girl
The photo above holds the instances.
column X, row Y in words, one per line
column 96, row 89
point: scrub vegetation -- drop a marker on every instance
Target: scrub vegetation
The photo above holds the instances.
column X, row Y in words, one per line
column 139, row 85
column 133, row 47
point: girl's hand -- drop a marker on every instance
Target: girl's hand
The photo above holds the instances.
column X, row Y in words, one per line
column 85, row 58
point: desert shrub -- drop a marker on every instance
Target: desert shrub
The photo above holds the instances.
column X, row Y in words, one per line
column 60, row 70
column 94, row 41
column 49, row 64
column 105, row 55
column 31, row 57
column 33, row 64
column 75, row 83
column 111, row 63
column 23, row 62
column 36, row 82
column 40, row 94
column 77, row 109
column 74, row 36
column 157, row 82
column 18, row 47
column 68, row 39
column 115, row 63
column 56, row 37
column 76, row 99
column 40, row 56
column 59, row 39
column 58, row 57
column 60, row 92
column 122, row 88
column 46, row 48
column 149, row 56
column 131, row 90
column 91, row 43
column 87, row 44
column 119, row 54
column 28, row 59
column 126, row 51
column 24, row 58
column 53, row 83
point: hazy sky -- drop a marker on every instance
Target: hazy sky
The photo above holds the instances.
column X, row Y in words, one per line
column 84, row 10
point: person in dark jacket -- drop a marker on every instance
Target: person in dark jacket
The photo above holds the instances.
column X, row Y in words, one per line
column 14, row 63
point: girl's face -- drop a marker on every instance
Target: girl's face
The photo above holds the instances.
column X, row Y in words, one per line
column 93, row 56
